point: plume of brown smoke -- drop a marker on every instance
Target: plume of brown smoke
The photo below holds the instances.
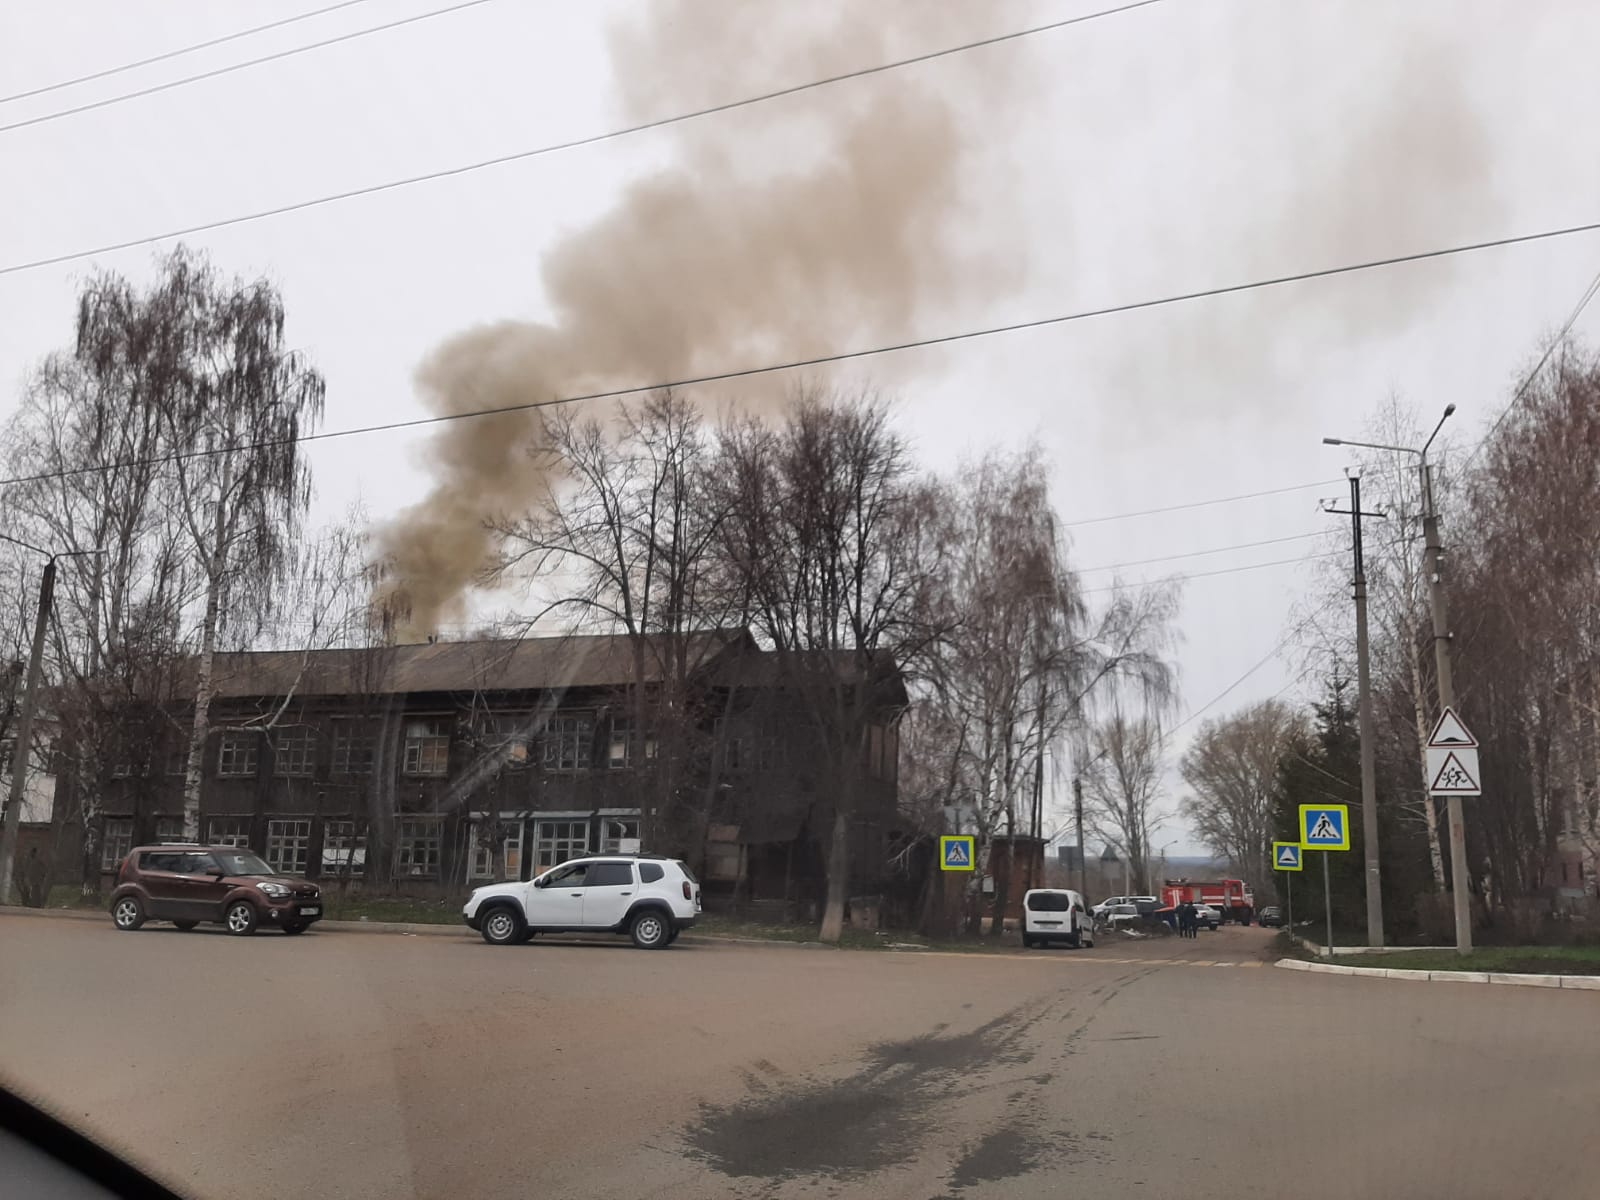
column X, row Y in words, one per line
column 788, row 230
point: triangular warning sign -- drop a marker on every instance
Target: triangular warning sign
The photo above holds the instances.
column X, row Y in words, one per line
column 1324, row 830
column 1454, row 776
column 1451, row 732
column 956, row 854
column 1288, row 855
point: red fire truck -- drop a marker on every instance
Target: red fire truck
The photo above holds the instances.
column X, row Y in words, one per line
column 1236, row 901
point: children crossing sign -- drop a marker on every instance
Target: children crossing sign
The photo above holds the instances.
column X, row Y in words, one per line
column 956, row 854
column 1286, row 856
column 1452, row 755
column 1325, row 827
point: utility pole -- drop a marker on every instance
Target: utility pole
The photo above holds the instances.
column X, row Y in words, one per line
column 1369, row 773
column 1434, row 569
column 1083, row 851
column 21, row 753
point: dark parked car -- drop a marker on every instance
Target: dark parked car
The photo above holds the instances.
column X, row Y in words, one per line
column 1270, row 918
column 187, row 884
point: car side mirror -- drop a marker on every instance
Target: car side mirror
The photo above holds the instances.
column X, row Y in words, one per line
column 540, row 881
column 216, row 872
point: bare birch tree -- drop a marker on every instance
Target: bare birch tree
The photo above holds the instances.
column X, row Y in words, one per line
column 230, row 401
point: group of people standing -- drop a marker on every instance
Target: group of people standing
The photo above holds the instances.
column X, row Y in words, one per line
column 1188, row 920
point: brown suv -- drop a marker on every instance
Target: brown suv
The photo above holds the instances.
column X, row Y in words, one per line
column 187, row 884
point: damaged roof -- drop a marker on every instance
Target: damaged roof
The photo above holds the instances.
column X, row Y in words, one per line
column 509, row 664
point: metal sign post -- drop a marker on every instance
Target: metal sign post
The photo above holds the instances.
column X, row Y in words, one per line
column 1288, row 858
column 1325, row 827
column 1327, row 901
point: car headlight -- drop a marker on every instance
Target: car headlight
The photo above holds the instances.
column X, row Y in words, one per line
column 273, row 889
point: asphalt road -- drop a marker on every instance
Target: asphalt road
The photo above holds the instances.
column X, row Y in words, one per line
column 371, row 1065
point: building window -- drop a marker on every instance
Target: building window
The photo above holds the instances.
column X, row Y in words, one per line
column 514, row 742
column 416, row 847
column 625, row 747
column 486, row 862
column 427, row 750
column 354, row 748
column 615, row 830
column 237, row 754
column 557, row 841
column 296, row 751
column 619, row 750
column 289, row 844
column 116, row 839
column 169, row 829
column 344, row 851
column 229, row 831
column 178, row 761
column 566, row 743
column 729, row 745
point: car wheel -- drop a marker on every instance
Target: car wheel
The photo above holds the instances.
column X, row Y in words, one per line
column 650, row 930
column 127, row 913
column 186, row 925
column 240, row 918
column 1027, row 942
column 503, row 926
column 293, row 927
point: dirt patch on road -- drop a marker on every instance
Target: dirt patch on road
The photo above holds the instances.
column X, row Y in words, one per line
column 1003, row 1154
column 873, row 1119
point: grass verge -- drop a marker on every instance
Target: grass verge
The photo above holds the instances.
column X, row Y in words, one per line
column 1522, row 960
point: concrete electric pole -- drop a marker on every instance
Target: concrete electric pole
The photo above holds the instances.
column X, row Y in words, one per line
column 1083, row 850
column 1369, row 773
column 9, row 829
column 21, row 752
column 1460, row 872
column 1433, row 567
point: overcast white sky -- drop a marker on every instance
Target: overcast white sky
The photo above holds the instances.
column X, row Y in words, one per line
column 1190, row 144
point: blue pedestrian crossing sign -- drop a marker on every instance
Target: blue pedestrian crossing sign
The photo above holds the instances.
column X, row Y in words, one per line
column 956, row 854
column 1325, row 827
column 1286, row 856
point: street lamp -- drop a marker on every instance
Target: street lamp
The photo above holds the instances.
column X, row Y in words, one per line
column 1433, row 565
column 19, row 759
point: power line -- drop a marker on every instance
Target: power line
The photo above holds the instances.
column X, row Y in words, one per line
column 1516, row 397
column 1141, row 562
column 252, row 62
column 593, row 139
column 169, row 54
column 1263, row 661
column 1276, row 562
column 828, row 359
column 1150, row 512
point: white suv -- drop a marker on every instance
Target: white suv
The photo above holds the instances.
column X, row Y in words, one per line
column 650, row 899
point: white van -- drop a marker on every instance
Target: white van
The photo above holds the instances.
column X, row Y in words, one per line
column 1056, row 915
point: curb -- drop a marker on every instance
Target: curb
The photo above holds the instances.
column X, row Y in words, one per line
column 94, row 914
column 1587, row 983
column 70, row 914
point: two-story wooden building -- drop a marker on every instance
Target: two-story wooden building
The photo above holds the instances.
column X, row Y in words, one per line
column 436, row 766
